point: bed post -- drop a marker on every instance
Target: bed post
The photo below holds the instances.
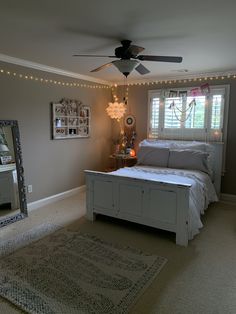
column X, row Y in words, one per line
column 182, row 216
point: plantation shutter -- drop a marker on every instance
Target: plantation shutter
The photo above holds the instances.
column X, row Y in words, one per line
column 192, row 117
column 154, row 117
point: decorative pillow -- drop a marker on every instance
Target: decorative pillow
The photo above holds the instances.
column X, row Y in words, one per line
column 188, row 159
column 153, row 156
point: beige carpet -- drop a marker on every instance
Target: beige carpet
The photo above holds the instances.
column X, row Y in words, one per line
column 199, row 279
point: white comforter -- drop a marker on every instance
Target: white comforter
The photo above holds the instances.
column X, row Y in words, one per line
column 202, row 191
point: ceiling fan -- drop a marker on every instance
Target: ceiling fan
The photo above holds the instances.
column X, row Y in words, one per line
column 129, row 57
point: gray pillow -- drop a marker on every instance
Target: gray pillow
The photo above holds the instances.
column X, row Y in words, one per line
column 188, row 159
column 153, row 156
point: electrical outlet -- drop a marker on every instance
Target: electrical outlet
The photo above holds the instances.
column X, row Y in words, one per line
column 30, row 188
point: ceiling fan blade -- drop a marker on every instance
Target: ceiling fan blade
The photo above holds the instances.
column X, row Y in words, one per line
column 135, row 50
column 94, row 56
column 107, row 65
column 141, row 69
column 160, row 58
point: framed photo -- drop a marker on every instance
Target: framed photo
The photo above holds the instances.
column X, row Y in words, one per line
column 129, row 121
column 70, row 119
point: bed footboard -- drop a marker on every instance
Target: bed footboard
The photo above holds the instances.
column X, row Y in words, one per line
column 152, row 203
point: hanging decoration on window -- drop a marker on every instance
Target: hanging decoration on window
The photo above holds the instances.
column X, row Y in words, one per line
column 185, row 113
column 183, row 94
column 194, row 92
column 173, row 93
column 205, row 89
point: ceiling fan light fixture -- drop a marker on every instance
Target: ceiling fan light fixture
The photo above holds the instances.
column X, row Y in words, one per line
column 125, row 66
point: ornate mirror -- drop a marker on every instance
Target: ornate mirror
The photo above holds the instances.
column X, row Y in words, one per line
column 12, row 190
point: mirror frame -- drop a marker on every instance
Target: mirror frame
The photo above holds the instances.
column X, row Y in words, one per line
column 20, row 174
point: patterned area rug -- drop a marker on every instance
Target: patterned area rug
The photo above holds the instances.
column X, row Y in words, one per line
column 70, row 272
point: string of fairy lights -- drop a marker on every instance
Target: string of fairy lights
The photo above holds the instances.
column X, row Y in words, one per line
column 186, row 80
column 75, row 84
column 44, row 80
column 114, row 93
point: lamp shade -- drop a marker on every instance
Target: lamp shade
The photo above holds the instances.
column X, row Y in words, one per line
column 125, row 66
column 4, row 148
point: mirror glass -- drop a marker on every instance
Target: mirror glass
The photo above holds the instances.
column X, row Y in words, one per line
column 12, row 189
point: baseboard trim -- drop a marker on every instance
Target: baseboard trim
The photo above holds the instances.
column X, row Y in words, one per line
column 228, row 198
column 54, row 198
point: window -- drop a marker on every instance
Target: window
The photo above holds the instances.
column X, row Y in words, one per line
column 201, row 117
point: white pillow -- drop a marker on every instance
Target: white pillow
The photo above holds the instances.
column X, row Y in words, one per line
column 202, row 147
column 155, row 143
column 153, row 156
column 192, row 146
column 188, row 159
column 189, row 145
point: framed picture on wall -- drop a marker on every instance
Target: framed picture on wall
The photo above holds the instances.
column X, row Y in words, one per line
column 70, row 119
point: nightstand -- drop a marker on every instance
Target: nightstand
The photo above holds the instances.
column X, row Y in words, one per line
column 121, row 161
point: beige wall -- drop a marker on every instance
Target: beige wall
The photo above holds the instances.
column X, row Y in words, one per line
column 138, row 102
column 54, row 166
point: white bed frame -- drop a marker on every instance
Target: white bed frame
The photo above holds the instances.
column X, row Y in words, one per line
column 152, row 203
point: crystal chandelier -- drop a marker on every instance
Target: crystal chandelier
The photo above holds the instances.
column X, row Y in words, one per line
column 116, row 110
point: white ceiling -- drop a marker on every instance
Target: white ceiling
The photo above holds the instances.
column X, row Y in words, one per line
column 49, row 32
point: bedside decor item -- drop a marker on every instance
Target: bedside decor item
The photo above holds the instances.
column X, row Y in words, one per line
column 73, row 272
column 132, row 153
column 70, row 119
